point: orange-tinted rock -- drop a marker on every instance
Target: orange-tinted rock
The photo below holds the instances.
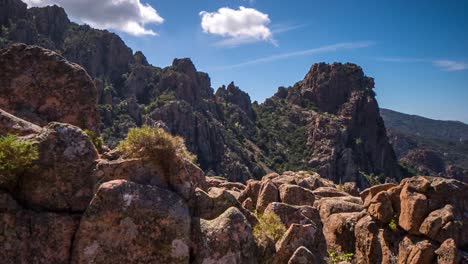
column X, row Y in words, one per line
column 226, row 239
column 34, row 237
column 295, row 195
column 414, row 209
column 447, row 253
column 268, row 194
column 130, row 223
column 329, row 192
column 52, row 89
column 369, row 193
column 296, row 236
column 290, row 214
column 338, row 230
column 413, row 250
column 380, row 207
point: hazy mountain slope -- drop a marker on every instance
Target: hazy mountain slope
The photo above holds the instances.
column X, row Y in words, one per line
column 425, row 127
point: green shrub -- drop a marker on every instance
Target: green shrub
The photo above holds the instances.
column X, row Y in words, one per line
column 336, row 257
column 95, row 138
column 270, row 226
column 156, row 145
column 358, row 141
column 393, row 223
column 15, row 155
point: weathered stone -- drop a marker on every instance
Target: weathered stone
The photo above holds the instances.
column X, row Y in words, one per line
column 268, row 194
column 10, row 124
column 338, row 231
column 414, row 209
column 447, row 253
column 329, row 192
column 61, row 178
column 369, row 193
column 413, row 250
column 226, row 239
column 296, row 195
column 34, row 237
column 295, row 237
column 380, row 207
column 70, row 97
column 151, row 225
column 212, row 204
column 329, row 206
column 302, row 256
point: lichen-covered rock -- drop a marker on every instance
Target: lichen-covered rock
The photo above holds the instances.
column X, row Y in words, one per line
column 296, row 195
column 212, row 204
column 302, row 255
column 226, row 239
column 268, row 194
column 52, row 89
column 130, row 223
column 338, row 231
column 10, row 124
column 296, row 236
column 61, row 179
column 290, row 214
column 34, row 237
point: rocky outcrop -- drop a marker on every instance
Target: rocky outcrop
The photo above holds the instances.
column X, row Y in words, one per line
column 226, row 239
column 73, row 206
column 150, row 223
column 335, row 111
column 52, row 89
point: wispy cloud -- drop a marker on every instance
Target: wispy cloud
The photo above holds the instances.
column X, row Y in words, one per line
column 449, row 65
column 283, row 56
column 275, row 29
column 446, row 65
column 399, row 59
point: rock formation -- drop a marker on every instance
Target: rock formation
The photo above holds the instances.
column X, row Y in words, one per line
column 51, row 89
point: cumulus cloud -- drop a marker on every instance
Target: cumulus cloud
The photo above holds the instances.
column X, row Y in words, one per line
column 244, row 25
column 129, row 16
column 449, row 65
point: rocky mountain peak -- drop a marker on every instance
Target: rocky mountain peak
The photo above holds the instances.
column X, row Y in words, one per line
column 329, row 86
column 139, row 58
column 12, row 10
column 236, row 96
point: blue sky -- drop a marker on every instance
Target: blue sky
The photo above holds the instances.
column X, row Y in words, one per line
column 417, row 51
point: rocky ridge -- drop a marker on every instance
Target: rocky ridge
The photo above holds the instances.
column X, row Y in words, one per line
column 231, row 136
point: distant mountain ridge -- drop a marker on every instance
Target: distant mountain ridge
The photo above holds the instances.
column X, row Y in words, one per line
column 425, row 127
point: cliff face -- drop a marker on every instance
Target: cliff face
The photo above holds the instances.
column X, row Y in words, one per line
column 335, row 111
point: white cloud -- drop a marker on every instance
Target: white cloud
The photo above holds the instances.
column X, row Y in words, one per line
column 129, row 16
column 245, row 25
column 449, row 65
column 282, row 56
column 446, row 65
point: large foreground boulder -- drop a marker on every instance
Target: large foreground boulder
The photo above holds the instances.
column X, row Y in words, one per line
column 131, row 223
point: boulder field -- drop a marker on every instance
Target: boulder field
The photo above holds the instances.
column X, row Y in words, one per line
column 76, row 206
